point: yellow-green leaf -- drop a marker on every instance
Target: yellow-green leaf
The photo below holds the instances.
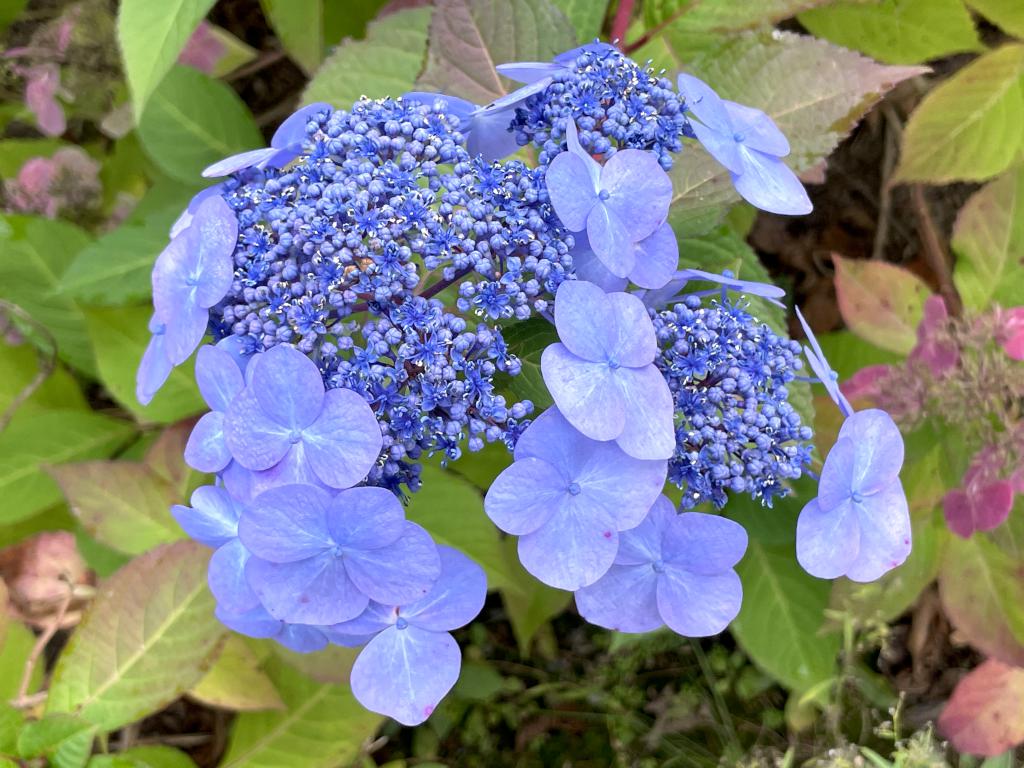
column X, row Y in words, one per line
column 236, row 682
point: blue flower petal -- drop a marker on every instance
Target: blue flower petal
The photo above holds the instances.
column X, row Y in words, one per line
column 287, row 524
column 489, row 134
column 572, row 190
column 583, row 320
column 704, row 544
column 827, row 541
column 404, row 673
column 344, row 441
column 227, row 581
column 586, row 393
column 648, row 430
column 768, row 183
column 206, row 449
column 255, row 441
column 216, row 234
column 155, row 368
column 657, row 258
column 589, row 268
column 642, row 545
column 292, row 131
column 836, row 484
column 313, row 591
column 639, row 191
column 756, row 130
column 635, row 343
column 288, row 387
column 399, row 572
column 624, row 599
column 885, row 534
column 212, row 519
column 721, row 146
column 703, row 102
column 253, row 158
column 218, row 376
column 525, row 496
column 253, row 623
column 456, row 598
column 574, row 548
column 365, row 518
column 529, row 71
column 879, row 450
column 612, row 240
column 301, row 638
column 819, row 365
column 697, row 605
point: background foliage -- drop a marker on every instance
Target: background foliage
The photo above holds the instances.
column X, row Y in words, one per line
column 110, row 653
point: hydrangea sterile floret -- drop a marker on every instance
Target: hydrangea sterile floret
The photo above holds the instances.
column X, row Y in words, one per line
column 220, row 379
column 342, row 551
column 567, row 497
column 749, row 144
column 619, row 204
column 674, row 569
column 411, row 661
column 284, row 416
column 602, row 375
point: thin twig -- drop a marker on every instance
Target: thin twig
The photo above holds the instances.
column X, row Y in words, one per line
column 935, row 252
column 656, row 29
column 893, row 131
column 47, row 364
column 41, row 642
column 262, row 61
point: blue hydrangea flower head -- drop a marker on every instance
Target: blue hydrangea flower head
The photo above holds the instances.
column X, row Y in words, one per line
column 412, row 661
column 602, row 375
column 219, row 377
column 285, row 413
column 192, row 274
column 674, row 569
column 618, row 204
column 341, row 551
column 567, row 497
column 859, row 525
column 816, row 359
column 285, row 146
column 749, row 144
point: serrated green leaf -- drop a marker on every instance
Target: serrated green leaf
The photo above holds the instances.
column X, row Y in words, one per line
column 236, row 682
column 586, row 17
column 781, row 625
column 121, row 504
column 385, row 64
column 452, row 511
column 323, row 726
column 115, row 269
column 15, row 648
column 151, row 36
column 299, row 24
column 44, row 737
column 469, row 37
column 34, row 254
column 983, row 596
column 19, row 366
column 968, row 128
column 33, row 440
column 192, row 121
column 120, row 337
column 1008, row 14
column 880, row 302
column 684, row 29
column 147, row 638
column 343, row 20
column 896, row 31
column 156, row 756
column 815, row 92
column 988, row 239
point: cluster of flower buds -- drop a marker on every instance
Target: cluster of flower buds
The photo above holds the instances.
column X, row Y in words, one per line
column 336, row 359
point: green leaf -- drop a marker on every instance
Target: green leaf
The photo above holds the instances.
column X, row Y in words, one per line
column 34, row 254
column 122, row 504
column 33, row 440
column 847, row 353
column 880, row 302
column 156, row 756
column 299, row 24
column 452, row 511
column 781, row 623
column 65, row 739
column 896, row 31
column 527, row 340
column 18, row 368
column 586, row 17
column 193, row 121
column 983, row 596
column 151, row 36
column 988, row 239
column 115, row 269
column 120, row 337
column 887, row 598
column 236, row 682
column 9, row 12
column 815, row 92
column 1008, row 14
column 385, row 64
column 11, row 720
column 684, row 29
column 322, row 726
column 469, row 37
column 147, row 638
column 166, row 457
column 343, row 20
column 968, row 127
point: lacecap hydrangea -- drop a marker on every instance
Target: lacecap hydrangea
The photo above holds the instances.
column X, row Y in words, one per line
column 348, row 290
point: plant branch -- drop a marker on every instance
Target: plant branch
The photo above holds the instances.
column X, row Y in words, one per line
column 934, row 251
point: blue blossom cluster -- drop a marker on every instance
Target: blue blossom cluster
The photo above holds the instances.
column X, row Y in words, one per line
column 351, row 282
column 735, row 428
column 614, row 102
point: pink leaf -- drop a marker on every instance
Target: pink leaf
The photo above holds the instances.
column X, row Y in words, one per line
column 985, row 714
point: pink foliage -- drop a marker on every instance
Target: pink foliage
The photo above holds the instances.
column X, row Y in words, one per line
column 1012, row 333
column 203, row 50
column 866, row 383
column 936, row 351
column 985, row 714
column 42, row 85
column 984, row 502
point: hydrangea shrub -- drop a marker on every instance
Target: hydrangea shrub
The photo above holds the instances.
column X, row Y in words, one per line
column 349, row 289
